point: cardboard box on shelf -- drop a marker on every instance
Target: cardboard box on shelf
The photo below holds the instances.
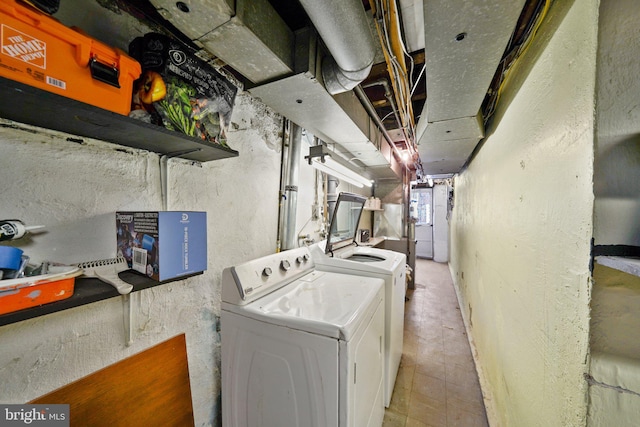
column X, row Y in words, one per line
column 163, row 245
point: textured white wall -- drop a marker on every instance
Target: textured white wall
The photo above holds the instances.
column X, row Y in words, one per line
column 521, row 230
column 617, row 167
column 615, row 308
column 615, row 314
column 73, row 189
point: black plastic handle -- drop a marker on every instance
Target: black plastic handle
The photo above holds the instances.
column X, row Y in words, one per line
column 105, row 73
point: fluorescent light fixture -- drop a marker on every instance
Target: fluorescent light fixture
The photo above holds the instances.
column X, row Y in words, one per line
column 322, row 160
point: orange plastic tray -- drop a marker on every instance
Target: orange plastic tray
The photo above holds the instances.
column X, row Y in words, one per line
column 18, row 294
column 38, row 50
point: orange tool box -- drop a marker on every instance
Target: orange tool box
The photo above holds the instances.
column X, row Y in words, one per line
column 38, row 50
column 26, row 292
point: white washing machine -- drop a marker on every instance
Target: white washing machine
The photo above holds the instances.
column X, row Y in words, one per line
column 300, row 347
column 339, row 253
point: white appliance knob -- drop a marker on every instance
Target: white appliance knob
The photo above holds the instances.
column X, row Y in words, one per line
column 267, row 271
column 300, row 259
column 285, row 264
column 306, row 257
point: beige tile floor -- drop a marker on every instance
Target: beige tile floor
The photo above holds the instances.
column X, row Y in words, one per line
column 437, row 384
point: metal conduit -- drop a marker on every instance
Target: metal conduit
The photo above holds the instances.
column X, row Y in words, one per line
column 343, row 26
column 389, row 95
column 374, row 115
column 291, row 188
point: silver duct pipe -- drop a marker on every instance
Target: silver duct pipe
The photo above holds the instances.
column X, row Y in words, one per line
column 291, row 188
column 343, row 26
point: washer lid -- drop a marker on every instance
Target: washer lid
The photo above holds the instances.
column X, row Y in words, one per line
column 330, row 304
column 344, row 222
column 360, row 258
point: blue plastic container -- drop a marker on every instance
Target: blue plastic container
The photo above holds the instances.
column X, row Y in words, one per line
column 10, row 258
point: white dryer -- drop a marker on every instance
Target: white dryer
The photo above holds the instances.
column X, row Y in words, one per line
column 340, row 254
column 300, row 347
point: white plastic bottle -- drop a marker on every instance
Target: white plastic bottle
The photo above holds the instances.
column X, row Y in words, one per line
column 12, row 229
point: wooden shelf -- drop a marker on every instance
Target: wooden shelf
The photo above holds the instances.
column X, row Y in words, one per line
column 33, row 106
column 86, row 291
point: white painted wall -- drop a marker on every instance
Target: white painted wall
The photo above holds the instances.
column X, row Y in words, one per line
column 614, row 394
column 617, row 167
column 74, row 189
column 615, row 314
column 615, row 308
column 521, row 228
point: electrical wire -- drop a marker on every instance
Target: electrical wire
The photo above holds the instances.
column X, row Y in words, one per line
column 424, row 67
column 409, row 82
column 399, row 77
column 402, row 84
column 513, row 55
column 408, row 79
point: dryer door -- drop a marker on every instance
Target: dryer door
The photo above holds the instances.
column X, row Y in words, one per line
column 276, row 376
column 363, row 383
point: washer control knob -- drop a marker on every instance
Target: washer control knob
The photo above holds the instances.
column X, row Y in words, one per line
column 306, row 257
column 285, row 265
column 300, row 259
column 267, row 272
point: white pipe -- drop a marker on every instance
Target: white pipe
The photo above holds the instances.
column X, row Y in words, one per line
column 291, row 188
